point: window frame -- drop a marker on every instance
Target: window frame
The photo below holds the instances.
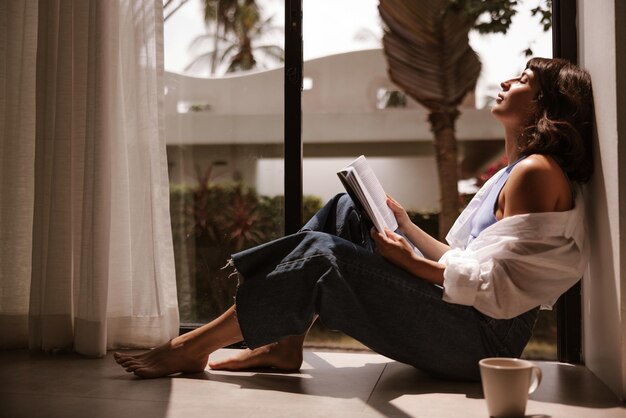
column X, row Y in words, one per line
column 293, row 116
column 568, row 307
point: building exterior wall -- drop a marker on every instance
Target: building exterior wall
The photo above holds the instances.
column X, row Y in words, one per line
column 237, row 128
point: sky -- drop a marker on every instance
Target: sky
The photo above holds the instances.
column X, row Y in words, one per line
column 335, row 26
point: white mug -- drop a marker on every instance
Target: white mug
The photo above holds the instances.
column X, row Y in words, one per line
column 507, row 384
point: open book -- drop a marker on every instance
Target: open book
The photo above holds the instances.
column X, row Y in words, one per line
column 363, row 186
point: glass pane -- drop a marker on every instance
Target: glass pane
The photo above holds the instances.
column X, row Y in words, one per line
column 224, row 130
column 350, row 107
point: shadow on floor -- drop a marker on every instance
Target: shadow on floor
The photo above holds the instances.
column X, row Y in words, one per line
column 390, row 381
column 562, row 384
column 567, row 384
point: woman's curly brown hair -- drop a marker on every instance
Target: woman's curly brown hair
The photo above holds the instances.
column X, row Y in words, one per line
column 562, row 126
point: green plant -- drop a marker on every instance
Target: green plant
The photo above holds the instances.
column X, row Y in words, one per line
column 209, row 223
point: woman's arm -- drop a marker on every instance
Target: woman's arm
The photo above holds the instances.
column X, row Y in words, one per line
column 522, row 262
column 429, row 246
column 398, row 251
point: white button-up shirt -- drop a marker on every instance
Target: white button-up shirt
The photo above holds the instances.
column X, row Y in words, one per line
column 516, row 264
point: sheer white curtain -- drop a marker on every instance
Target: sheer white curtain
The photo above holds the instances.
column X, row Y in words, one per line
column 86, row 259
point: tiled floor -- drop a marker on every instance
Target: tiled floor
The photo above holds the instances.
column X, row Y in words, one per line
column 329, row 385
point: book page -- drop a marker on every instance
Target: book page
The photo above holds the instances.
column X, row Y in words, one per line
column 375, row 190
column 364, row 197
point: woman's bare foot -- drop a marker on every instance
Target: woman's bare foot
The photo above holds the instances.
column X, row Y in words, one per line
column 163, row 360
column 187, row 353
column 285, row 355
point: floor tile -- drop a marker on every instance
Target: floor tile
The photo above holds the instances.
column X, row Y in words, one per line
column 330, row 384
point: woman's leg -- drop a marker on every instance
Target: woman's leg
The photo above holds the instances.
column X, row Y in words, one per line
column 284, row 284
column 284, row 355
column 187, row 353
column 190, row 352
column 338, row 217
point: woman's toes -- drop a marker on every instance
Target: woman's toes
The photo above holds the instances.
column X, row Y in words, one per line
column 123, row 361
column 131, row 368
column 129, row 362
column 119, row 358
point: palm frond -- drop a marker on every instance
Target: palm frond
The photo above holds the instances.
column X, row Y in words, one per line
column 428, row 53
column 200, row 60
column 273, row 51
column 231, row 50
column 168, row 5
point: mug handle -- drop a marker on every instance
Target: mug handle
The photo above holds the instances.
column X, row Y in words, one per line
column 537, row 380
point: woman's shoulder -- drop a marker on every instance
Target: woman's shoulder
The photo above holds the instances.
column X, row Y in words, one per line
column 538, row 164
column 539, row 167
column 537, row 184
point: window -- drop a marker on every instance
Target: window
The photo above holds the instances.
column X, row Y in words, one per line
column 224, row 133
column 226, row 143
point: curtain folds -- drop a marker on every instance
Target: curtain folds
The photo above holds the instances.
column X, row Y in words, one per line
column 18, row 49
column 102, row 270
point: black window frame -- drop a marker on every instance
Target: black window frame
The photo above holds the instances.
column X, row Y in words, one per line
column 293, row 116
column 568, row 307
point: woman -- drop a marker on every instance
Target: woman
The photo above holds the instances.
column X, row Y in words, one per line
column 518, row 245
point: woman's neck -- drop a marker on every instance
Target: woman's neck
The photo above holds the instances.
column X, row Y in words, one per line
column 511, row 138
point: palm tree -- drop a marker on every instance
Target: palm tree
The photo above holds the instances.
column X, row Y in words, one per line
column 236, row 24
column 428, row 54
column 247, row 27
column 220, row 12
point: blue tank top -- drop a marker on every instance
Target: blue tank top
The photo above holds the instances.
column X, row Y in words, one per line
column 485, row 214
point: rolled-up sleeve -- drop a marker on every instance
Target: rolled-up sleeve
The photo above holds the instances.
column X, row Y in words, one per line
column 461, row 277
column 516, row 264
column 508, row 276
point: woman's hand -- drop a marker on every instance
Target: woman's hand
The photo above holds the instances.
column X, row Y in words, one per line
column 429, row 246
column 394, row 248
column 400, row 213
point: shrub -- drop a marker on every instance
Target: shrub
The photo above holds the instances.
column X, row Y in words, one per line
column 209, row 223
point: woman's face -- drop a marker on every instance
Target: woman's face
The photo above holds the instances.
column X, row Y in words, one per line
column 516, row 102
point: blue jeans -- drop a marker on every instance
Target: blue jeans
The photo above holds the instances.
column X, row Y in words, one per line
column 329, row 269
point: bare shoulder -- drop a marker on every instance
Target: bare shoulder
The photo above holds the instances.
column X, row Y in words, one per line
column 536, row 169
column 536, row 184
